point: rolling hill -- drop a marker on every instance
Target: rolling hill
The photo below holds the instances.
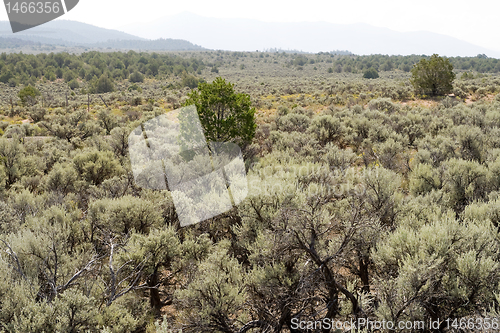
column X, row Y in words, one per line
column 74, row 34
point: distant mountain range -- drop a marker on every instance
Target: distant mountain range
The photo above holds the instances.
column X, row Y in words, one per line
column 69, row 32
column 74, row 34
column 179, row 32
column 251, row 35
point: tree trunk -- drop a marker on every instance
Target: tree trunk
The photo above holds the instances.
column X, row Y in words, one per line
column 154, row 294
column 363, row 274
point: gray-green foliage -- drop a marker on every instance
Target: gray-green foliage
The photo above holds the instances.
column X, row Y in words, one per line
column 61, row 178
column 124, row 214
column 293, row 122
column 326, row 129
column 213, row 300
column 358, row 205
column 96, row 166
column 106, row 120
column 464, row 182
column 424, row 179
column 383, row 104
column 434, row 270
column 11, row 153
column 72, row 127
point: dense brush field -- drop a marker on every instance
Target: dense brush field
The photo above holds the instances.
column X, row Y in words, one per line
column 366, row 200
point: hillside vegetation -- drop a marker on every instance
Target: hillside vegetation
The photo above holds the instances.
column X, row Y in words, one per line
column 366, row 200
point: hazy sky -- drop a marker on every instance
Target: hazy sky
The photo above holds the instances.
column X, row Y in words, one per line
column 474, row 21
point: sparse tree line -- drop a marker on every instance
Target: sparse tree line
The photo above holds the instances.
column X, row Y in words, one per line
column 26, row 69
column 124, row 76
column 356, row 64
column 92, row 67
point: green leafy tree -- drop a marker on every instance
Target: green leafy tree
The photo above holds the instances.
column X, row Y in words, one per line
column 5, row 77
column 189, row 81
column 433, row 77
column 224, row 114
column 27, row 95
column 73, row 84
column 103, row 85
column 69, row 76
column 370, row 73
column 136, row 77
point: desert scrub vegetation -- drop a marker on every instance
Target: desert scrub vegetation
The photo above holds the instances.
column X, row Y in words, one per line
column 270, row 78
column 364, row 200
